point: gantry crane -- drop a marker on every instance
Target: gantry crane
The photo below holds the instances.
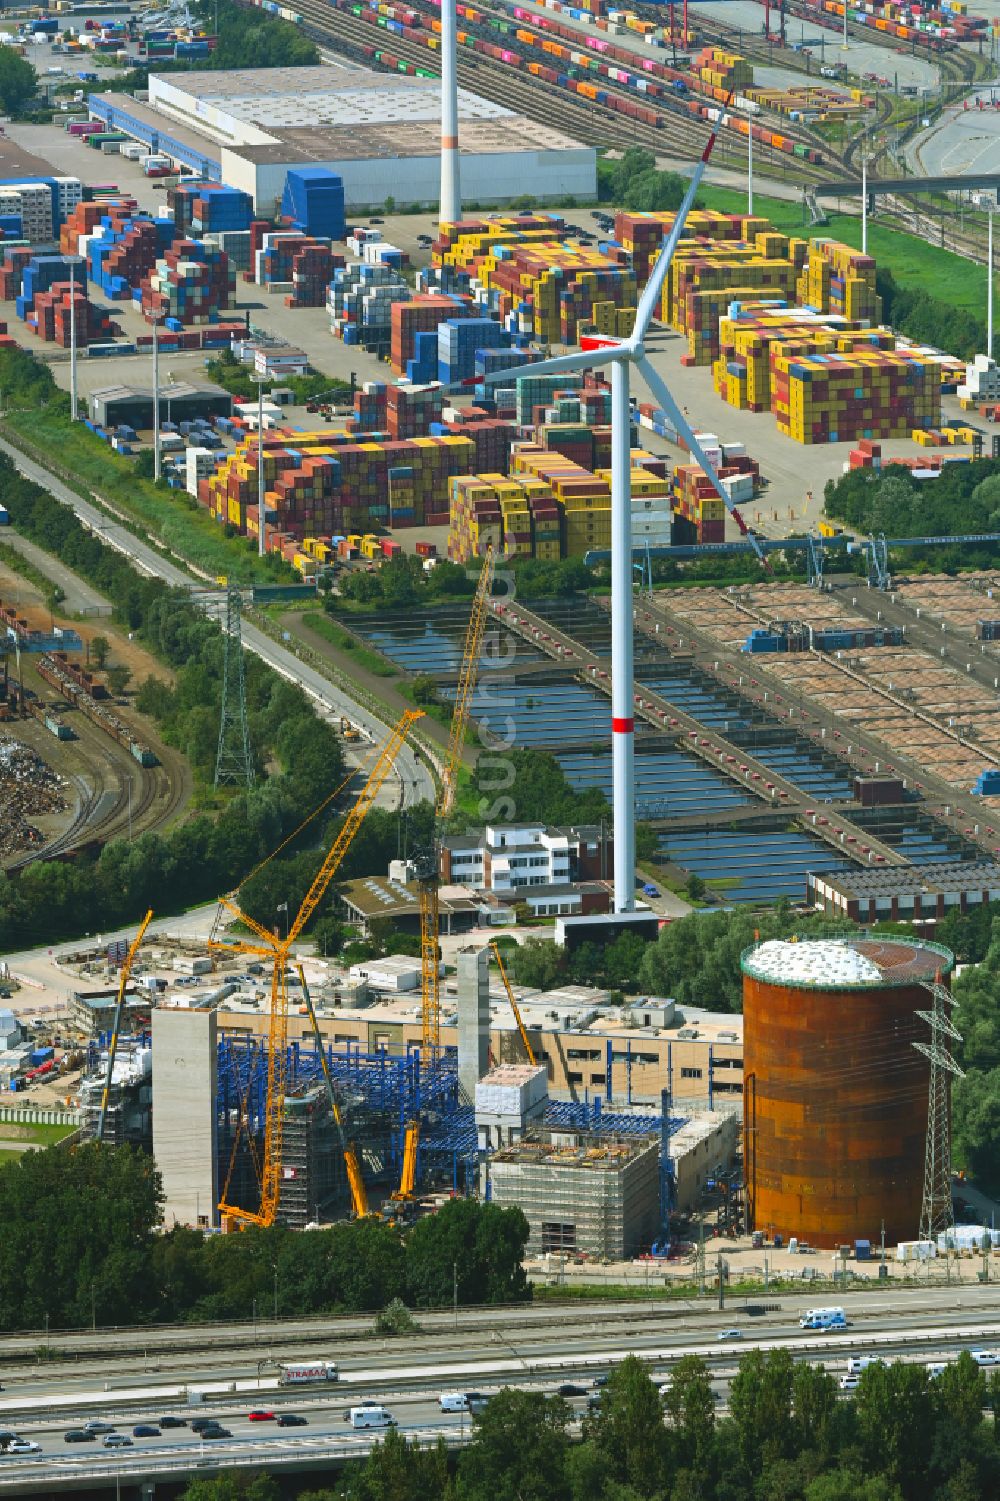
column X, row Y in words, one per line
column 123, row 979
column 430, row 987
column 277, row 949
column 513, row 1004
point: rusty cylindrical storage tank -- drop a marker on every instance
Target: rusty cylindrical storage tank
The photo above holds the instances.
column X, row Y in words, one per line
column 834, row 1092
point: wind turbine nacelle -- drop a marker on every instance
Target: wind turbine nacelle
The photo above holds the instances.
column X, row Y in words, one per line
column 598, row 341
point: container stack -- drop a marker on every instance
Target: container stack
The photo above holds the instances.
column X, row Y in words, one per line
column 298, row 265
column 121, row 253
column 723, row 70
column 411, row 410
column 50, row 317
column 371, row 405
column 360, row 301
column 537, row 391
column 460, row 342
column 488, row 361
column 16, row 258
column 89, row 216
column 642, row 234
column 326, row 486
column 839, row 279
column 191, row 283
column 837, row 398
column 313, row 202
column 202, row 208
column 422, row 315
column 475, row 522
column 491, row 435
column 41, row 273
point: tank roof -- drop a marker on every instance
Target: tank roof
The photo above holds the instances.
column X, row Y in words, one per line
column 846, row 963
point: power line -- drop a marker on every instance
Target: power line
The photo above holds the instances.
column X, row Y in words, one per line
column 233, row 762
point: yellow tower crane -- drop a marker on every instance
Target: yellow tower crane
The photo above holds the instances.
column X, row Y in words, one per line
column 529, row 1050
column 277, row 949
column 429, row 911
column 355, row 1181
column 123, row 979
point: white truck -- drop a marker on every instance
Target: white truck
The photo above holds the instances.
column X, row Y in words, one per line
column 305, row 1371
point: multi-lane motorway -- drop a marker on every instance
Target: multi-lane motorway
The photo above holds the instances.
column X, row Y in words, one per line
column 415, row 781
column 229, row 1371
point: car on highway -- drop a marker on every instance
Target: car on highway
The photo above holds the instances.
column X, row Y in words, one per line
column 24, row 1446
column 145, row 1430
column 291, row 1420
column 95, row 1425
column 197, row 1424
column 570, row 1389
column 730, row 1334
column 849, row 1383
column 602, row 1379
column 169, row 1422
column 985, row 1357
column 78, row 1436
column 650, row 890
column 116, row 1441
column 216, row 1431
column 260, row 1415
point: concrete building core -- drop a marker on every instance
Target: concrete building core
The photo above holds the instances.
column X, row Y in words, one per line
column 185, row 1118
column 602, row 1199
column 473, row 1018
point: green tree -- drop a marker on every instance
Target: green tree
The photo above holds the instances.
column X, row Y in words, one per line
column 894, row 1412
column 760, row 1403
column 518, row 1450
column 119, row 678
column 538, row 962
column 531, row 786
column 18, row 81
column 100, row 651
column 477, row 1246
column 695, row 887
column 628, row 1427
column 397, row 1470
column 690, row 1408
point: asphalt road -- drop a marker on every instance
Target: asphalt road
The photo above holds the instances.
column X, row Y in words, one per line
column 409, row 1388
column 416, row 782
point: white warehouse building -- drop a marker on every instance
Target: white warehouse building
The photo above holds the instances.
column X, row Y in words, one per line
column 379, row 132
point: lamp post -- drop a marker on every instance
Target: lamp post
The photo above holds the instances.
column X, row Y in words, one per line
column 156, row 400
column 260, row 464
column 72, row 341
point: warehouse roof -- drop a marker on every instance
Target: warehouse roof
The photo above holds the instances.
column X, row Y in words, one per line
column 906, row 880
column 392, row 138
column 380, row 896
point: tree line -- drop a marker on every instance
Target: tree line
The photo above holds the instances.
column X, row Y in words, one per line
column 963, row 501
column 299, row 758
column 787, row 1436
column 82, row 1243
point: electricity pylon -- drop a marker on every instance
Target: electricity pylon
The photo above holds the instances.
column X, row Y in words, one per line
column 233, row 762
column 937, row 1212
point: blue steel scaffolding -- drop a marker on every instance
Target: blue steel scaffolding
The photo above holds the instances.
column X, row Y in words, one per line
column 395, row 1089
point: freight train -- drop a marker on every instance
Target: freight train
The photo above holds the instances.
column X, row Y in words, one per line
column 62, row 676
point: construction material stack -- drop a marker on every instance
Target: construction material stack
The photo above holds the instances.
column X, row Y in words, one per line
column 191, row 283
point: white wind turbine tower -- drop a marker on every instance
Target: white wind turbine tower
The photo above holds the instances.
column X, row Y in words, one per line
column 618, row 357
column 450, row 211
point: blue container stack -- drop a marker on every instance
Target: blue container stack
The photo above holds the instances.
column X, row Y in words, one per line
column 313, row 202
column 459, row 342
column 202, row 208
column 41, row 273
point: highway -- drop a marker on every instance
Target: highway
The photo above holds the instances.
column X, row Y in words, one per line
column 493, row 1349
column 415, row 780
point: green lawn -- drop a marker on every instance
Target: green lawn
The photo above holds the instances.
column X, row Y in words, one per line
column 371, row 661
column 170, row 517
column 914, row 263
column 38, row 1134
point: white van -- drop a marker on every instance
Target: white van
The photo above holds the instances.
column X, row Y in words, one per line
column 858, row 1363
column 984, row 1357
column 453, row 1402
column 371, row 1417
column 935, row 1367
column 849, row 1383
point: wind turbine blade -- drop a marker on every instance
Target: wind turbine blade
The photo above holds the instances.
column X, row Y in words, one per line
column 661, row 392
column 563, row 364
column 650, row 299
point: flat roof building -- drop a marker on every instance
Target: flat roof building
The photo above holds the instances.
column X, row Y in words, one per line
column 601, row 1199
column 113, row 406
column 906, row 893
column 379, row 132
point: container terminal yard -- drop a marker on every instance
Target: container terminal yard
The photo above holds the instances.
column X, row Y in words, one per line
column 370, row 330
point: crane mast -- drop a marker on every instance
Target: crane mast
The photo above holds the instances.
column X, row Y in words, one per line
column 123, row 979
column 277, row 949
column 430, row 986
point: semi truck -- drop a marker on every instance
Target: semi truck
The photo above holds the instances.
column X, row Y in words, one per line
column 303, row 1372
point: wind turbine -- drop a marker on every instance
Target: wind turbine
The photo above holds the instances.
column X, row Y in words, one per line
column 450, row 211
column 618, row 356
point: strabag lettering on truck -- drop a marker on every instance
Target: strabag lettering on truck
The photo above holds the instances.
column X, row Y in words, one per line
column 305, row 1371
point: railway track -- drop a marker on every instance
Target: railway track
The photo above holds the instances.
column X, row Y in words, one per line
column 562, row 110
